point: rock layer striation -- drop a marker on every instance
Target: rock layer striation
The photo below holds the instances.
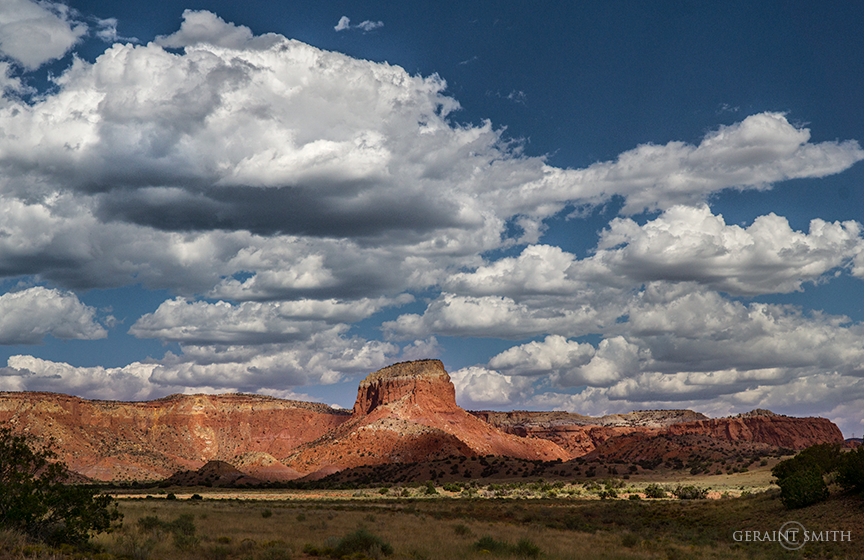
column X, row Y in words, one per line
column 404, row 413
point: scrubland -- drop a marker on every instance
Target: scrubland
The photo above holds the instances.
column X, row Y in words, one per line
column 607, row 519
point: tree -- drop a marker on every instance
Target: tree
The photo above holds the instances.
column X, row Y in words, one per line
column 850, row 472
column 36, row 498
column 801, row 478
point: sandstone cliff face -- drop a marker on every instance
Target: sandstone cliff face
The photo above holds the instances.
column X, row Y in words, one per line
column 108, row 440
column 779, row 431
column 408, row 411
column 423, row 383
column 404, row 413
column 580, row 435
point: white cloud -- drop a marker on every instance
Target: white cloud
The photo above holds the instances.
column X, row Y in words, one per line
column 422, row 349
column 344, row 23
column 539, row 269
column 326, row 357
column 27, row 316
column 35, row 32
column 309, row 190
column 199, row 322
column 478, row 387
column 692, row 244
column 827, row 395
column 752, row 154
column 570, row 363
column 370, row 25
column 367, row 25
column 203, row 27
column 132, row 382
column 502, row 317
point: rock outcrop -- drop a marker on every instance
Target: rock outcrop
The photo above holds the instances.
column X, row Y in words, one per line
column 773, row 429
column 110, row 440
column 408, row 412
column 581, row 435
column 404, row 413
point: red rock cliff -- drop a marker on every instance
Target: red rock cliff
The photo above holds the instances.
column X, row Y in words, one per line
column 408, row 412
column 110, row 440
column 424, row 383
column 779, row 431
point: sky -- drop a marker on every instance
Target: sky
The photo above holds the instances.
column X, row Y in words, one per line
column 595, row 207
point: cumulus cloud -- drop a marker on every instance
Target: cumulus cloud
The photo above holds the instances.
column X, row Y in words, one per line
column 478, row 387
column 199, row 322
column 132, row 382
column 692, row 244
column 27, row 316
column 815, row 394
column 203, row 27
column 752, row 154
column 503, row 317
column 301, row 191
column 326, row 357
column 35, row 32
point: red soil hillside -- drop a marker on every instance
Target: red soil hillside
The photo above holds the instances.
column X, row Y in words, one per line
column 404, row 413
column 407, row 412
column 581, row 435
column 578, row 434
column 108, row 440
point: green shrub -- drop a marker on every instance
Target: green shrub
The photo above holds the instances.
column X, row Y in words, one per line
column 36, row 499
column 150, row 523
column 655, row 491
column 490, row 544
column 803, row 488
column 823, row 457
column 524, row 548
column 266, row 513
column 850, row 471
column 690, row 492
column 801, row 478
column 361, row 542
column 430, row 489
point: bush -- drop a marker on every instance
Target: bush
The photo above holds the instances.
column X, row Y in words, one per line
column 850, row 471
column 823, row 457
column 524, row 548
column 801, row 478
column 655, row 491
column 36, row 499
column 803, row 488
column 361, row 542
column 490, row 544
column 690, row 493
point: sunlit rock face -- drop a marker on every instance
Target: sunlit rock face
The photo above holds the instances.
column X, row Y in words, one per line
column 406, row 412
column 422, row 383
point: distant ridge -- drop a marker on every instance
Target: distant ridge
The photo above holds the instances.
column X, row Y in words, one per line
column 404, row 413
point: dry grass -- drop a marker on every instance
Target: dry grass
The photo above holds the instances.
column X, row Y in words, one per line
column 442, row 528
column 572, row 525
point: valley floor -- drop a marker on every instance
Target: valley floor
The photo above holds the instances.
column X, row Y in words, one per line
column 536, row 520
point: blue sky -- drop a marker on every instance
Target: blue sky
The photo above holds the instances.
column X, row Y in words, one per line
column 595, row 207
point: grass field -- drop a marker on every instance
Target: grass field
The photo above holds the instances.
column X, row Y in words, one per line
column 520, row 520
